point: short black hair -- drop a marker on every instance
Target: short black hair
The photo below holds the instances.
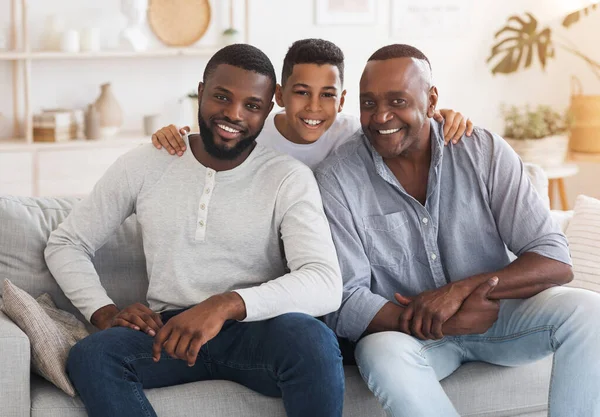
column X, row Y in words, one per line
column 399, row 50
column 312, row 51
column 243, row 56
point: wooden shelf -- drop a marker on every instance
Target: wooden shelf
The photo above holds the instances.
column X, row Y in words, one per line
column 10, row 56
column 122, row 139
column 154, row 53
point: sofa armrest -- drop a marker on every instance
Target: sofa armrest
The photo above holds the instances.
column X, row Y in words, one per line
column 15, row 354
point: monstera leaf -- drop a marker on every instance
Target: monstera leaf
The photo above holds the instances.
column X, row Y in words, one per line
column 575, row 16
column 517, row 42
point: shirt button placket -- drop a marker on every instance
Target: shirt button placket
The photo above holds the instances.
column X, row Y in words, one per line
column 204, row 203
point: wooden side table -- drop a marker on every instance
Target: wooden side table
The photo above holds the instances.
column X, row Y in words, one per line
column 556, row 176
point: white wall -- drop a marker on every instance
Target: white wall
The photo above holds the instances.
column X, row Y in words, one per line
column 463, row 78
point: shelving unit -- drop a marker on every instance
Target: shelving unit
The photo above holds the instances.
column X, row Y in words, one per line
column 126, row 139
column 22, row 58
column 156, row 53
column 72, row 167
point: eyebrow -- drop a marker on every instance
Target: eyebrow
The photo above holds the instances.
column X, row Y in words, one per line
column 387, row 93
column 252, row 98
column 329, row 87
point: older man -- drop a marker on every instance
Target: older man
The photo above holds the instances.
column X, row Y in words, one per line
column 421, row 232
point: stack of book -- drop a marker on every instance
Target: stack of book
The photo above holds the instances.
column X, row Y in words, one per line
column 58, row 125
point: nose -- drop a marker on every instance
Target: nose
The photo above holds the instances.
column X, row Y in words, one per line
column 234, row 111
column 382, row 116
column 313, row 104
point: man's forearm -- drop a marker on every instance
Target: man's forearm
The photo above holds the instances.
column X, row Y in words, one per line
column 233, row 306
column 387, row 319
column 527, row 276
column 103, row 317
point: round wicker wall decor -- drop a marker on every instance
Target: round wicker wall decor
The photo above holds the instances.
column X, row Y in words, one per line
column 179, row 22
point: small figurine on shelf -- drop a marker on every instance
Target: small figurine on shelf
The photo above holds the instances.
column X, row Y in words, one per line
column 133, row 36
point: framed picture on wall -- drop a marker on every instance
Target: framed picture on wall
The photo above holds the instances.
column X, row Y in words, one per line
column 345, row 12
column 429, row 18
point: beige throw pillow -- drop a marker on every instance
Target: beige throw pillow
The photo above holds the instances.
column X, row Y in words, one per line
column 51, row 332
column 583, row 234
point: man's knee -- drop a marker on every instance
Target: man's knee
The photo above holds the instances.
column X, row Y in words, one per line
column 584, row 305
column 309, row 341
column 387, row 347
column 95, row 350
column 296, row 327
column 572, row 304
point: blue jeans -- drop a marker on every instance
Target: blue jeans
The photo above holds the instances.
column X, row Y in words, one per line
column 403, row 372
column 293, row 356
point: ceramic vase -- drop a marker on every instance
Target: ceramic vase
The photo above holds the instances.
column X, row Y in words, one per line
column 92, row 123
column 52, row 35
column 111, row 115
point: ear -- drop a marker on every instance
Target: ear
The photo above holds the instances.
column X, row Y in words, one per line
column 200, row 90
column 342, row 101
column 433, row 101
column 279, row 95
column 270, row 107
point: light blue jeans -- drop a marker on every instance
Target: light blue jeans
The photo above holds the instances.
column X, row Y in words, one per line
column 404, row 372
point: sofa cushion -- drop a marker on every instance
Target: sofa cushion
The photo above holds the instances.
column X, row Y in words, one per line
column 27, row 223
column 583, row 235
column 539, row 180
column 51, row 338
column 476, row 389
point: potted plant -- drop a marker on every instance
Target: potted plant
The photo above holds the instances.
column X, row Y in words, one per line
column 524, row 40
column 231, row 36
column 540, row 136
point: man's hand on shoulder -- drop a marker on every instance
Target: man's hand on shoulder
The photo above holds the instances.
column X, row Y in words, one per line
column 184, row 335
column 171, row 139
column 136, row 316
column 455, row 125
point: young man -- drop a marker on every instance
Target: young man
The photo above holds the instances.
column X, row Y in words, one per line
column 312, row 95
column 421, row 232
column 224, row 300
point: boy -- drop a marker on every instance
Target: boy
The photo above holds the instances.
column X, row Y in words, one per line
column 312, row 95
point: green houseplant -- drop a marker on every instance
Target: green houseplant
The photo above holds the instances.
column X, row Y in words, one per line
column 524, row 40
column 231, row 36
column 539, row 135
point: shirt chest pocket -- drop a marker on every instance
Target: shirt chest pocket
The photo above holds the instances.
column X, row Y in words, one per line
column 388, row 238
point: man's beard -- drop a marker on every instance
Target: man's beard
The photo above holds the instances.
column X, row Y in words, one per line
column 220, row 153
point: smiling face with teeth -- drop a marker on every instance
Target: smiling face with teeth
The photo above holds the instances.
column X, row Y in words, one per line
column 396, row 102
column 233, row 106
column 312, row 97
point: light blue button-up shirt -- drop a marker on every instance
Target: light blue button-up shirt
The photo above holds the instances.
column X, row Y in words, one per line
column 479, row 203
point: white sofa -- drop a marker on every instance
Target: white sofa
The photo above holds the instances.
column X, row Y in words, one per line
column 476, row 389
